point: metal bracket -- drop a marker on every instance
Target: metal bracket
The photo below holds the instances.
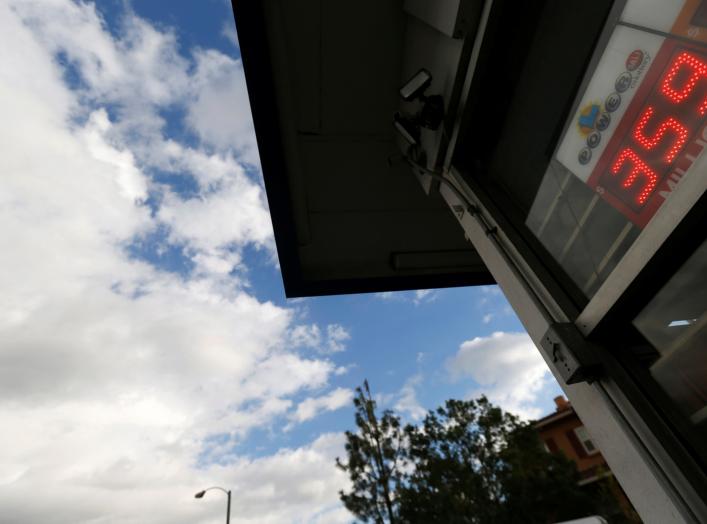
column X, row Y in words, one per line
column 573, row 356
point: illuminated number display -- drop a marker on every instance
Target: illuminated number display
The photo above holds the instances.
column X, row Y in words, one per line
column 659, row 137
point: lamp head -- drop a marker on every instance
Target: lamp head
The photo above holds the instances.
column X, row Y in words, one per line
column 200, row 494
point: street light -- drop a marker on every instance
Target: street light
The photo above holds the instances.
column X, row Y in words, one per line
column 228, row 508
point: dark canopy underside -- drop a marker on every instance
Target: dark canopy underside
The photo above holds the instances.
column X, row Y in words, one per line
column 348, row 217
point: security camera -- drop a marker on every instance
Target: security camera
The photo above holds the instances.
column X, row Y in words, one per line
column 430, row 111
column 415, row 87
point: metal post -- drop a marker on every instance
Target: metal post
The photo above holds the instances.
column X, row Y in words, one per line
column 228, row 508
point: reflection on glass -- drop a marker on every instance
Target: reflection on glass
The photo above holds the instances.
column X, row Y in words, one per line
column 581, row 231
column 639, row 129
column 675, row 323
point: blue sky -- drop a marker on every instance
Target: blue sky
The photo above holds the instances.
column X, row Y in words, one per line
column 151, row 349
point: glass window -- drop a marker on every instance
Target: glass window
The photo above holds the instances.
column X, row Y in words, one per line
column 585, row 440
column 585, row 235
column 589, row 141
column 550, row 445
column 675, row 323
column 637, row 131
column 581, row 133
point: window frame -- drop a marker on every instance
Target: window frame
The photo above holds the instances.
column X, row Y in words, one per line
column 584, row 439
column 598, row 318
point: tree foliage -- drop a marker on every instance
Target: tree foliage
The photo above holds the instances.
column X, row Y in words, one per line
column 375, row 455
column 466, row 462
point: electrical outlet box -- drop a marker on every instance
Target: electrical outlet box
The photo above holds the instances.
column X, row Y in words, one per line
column 573, row 356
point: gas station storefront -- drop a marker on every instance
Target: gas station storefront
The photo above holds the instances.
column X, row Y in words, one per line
column 570, row 154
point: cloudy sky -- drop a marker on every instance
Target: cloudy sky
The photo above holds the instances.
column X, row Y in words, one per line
column 146, row 347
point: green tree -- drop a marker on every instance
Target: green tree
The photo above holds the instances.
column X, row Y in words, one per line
column 375, row 454
column 453, row 477
column 466, row 462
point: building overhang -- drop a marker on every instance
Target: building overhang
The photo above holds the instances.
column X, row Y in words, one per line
column 348, row 213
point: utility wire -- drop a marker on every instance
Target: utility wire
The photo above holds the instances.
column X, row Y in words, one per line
column 492, row 233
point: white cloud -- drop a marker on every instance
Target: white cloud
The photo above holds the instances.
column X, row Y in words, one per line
column 142, row 72
column 489, row 294
column 228, row 31
column 491, row 290
column 407, row 402
column 342, row 370
column 309, row 336
column 285, row 374
column 220, row 110
column 142, row 67
column 313, row 406
column 488, row 317
column 506, row 367
column 284, row 487
column 333, row 340
column 337, row 336
column 417, row 297
column 116, row 376
column 424, row 295
column 209, row 223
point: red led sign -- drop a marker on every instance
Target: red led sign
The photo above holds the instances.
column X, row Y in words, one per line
column 660, row 135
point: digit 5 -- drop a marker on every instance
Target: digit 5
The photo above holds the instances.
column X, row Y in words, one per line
column 669, row 124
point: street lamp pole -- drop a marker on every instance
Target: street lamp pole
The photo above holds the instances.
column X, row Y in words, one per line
column 228, row 493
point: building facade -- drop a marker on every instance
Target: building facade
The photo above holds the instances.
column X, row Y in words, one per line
column 563, row 432
column 555, row 148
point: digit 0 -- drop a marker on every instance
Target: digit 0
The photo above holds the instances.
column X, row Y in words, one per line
column 697, row 70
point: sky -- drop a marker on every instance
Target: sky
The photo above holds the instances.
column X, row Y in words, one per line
column 147, row 350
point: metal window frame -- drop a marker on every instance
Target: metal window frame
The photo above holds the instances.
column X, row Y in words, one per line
column 648, row 460
column 651, row 463
column 682, row 199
